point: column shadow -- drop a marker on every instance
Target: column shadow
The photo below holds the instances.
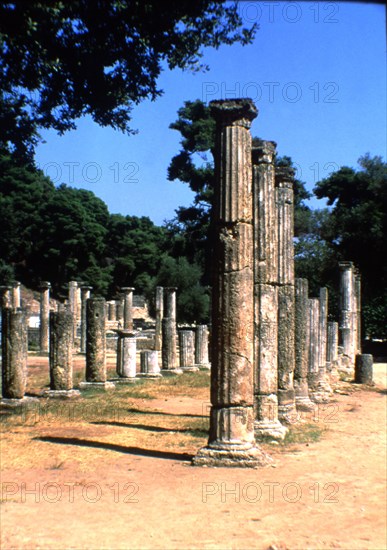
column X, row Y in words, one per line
column 148, row 428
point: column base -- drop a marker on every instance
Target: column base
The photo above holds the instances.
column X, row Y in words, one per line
column 124, row 380
column 287, row 413
column 270, row 428
column 149, row 375
column 12, row 403
column 205, row 366
column 97, row 385
column 170, row 372
column 66, row 394
column 305, row 404
column 190, row 369
column 214, row 457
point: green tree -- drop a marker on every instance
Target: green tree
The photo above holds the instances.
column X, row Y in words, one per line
column 357, row 228
column 62, row 60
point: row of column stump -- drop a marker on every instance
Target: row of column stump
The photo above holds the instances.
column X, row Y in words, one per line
column 273, row 350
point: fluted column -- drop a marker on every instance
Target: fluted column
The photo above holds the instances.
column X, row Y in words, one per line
column 187, row 350
column 44, row 315
column 303, row 401
column 201, row 347
column 265, row 230
column 128, row 306
column 85, row 295
column 14, row 353
column 323, row 328
column 332, row 349
column 73, row 303
column 346, row 309
column 286, row 293
column 357, row 293
column 159, row 317
column 169, row 357
column 231, row 440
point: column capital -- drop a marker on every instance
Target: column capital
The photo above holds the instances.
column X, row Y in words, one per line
column 127, row 289
column 234, row 112
column 16, row 284
column 170, row 288
column 284, row 176
column 44, row 285
column 345, row 265
column 86, row 288
column 263, row 152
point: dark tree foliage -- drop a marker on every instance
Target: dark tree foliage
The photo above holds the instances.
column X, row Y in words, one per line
column 62, row 60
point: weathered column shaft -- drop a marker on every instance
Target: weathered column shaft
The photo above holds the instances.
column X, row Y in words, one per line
column 95, row 340
column 346, row 305
column 201, row 346
column 323, row 322
column 128, row 307
column 231, row 440
column 265, row 228
column 357, row 293
column 285, row 208
column 332, row 342
column 112, row 310
column 314, row 353
column 187, row 348
column 169, row 348
column 150, row 363
column 170, row 302
column 44, row 316
column 73, row 303
column 16, row 295
column 6, row 298
column 303, row 401
column 159, row 317
column 61, row 350
column 126, row 354
column 14, row 353
column 85, row 295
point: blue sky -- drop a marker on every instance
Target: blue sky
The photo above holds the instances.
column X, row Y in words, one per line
column 316, row 72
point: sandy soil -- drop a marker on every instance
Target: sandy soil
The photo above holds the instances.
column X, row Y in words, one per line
column 127, row 483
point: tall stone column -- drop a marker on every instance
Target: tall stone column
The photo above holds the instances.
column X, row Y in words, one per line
column 159, row 317
column 265, row 228
column 14, row 344
column 286, row 293
column 332, row 349
column 111, row 310
column 96, row 345
column 201, row 347
column 61, row 354
column 44, row 315
column 16, row 295
column 120, row 311
column 169, row 356
column 303, row 401
column 357, row 294
column 231, row 440
column 128, row 306
column 314, row 354
column 85, row 295
column 323, row 328
column 187, row 350
column 346, row 312
column 73, row 303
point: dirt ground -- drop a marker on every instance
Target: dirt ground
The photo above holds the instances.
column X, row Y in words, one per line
column 95, row 474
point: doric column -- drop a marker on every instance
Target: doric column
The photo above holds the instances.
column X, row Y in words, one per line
column 323, row 328
column 150, row 364
column 201, row 347
column 170, row 302
column 120, row 311
column 357, row 294
column 14, row 353
column 16, row 295
column 346, row 305
column 303, row 402
column 332, row 349
column 128, row 306
column 85, row 295
column 126, row 353
column 318, row 388
column 73, row 303
column 187, row 350
column 112, row 310
column 61, row 354
column 265, row 229
column 44, row 315
column 231, row 441
column 96, row 345
column 286, row 294
column 159, row 317
column 169, row 335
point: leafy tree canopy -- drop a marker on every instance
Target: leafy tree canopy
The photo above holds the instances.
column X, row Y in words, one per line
column 62, row 60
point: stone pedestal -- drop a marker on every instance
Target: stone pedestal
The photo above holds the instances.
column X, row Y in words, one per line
column 127, row 292
column 85, row 295
column 303, row 401
column 201, row 347
column 126, row 353
column 231, row 440
column 16, row 295
column 44, row 316
column 364, row 368
column 95, row 345
column 150, row 364
column 265, row 227
column 159, row 317
column 14, row 343
column 187, row 350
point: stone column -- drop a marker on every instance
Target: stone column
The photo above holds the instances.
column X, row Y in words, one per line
column 120, row 311
column 6, row 299
column 150, row 364
column 128, row 306
column 364, row 368
column 357, row 294
column 159, row 317
column 231, row 440
column 323, row 327
column 265, row 227
column 169, row 335
column 85, row 295
column 314, row 375
column 286, row 293
column 61, row 354
column 303, row 402
column 73, row 303
column 44, row 315
column 14, row 353
column 332, row 349
column 187, row 350
column 346, row 305
column 95, row 345
column 16, row 295
column 112, row 310
column 201, row 347
column 126, row 355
